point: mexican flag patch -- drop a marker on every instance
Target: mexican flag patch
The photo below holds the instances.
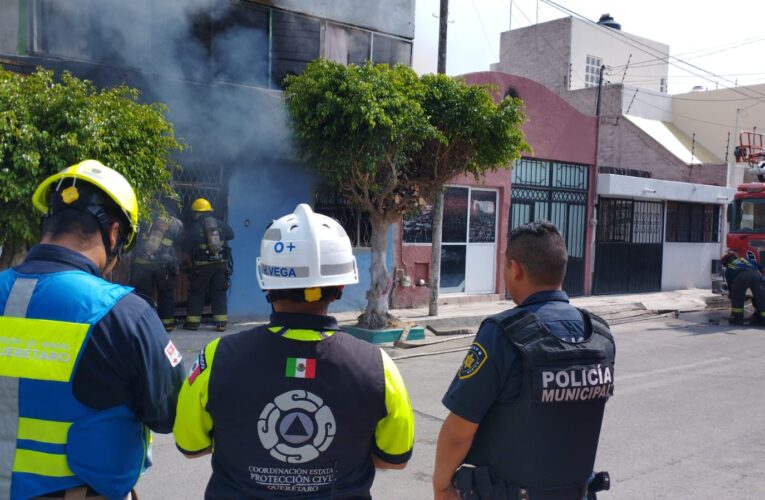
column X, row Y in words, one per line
column 301, row 368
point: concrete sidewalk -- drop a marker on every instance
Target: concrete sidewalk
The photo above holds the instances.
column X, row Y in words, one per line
column 459, row 319
column 611, row 307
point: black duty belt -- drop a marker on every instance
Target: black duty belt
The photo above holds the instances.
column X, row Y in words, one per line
column 476, row 483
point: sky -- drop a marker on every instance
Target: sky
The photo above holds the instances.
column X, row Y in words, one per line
column 722, row 38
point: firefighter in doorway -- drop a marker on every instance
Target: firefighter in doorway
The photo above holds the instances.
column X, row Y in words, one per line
column 155, row 264
column 205, row 242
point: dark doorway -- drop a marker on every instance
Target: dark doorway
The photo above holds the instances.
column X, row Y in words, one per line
column 628, row 246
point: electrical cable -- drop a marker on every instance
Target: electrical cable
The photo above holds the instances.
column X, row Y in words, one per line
column 646, row 48
column 485, row 35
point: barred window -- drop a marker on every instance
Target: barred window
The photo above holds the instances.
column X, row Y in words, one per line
column 355, row 222
column 692, row 223
column 592, row 71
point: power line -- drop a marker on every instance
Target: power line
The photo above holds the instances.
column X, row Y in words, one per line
column 658, row 62
column 485, row 35
column 644, row 47
column 563, row 58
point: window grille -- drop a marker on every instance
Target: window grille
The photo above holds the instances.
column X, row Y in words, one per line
column 592, row 71
column 355, row 222
column 692, row 222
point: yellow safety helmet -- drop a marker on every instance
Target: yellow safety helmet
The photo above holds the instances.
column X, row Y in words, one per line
column 111, row 182
column 201, row 205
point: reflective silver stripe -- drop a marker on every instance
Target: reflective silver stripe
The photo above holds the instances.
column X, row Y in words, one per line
column 334, row 269
column 9, row 426
column 273, row 234
column 18, row 300
column 16, row 306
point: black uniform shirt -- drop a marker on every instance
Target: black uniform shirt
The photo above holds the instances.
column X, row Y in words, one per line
column 124, row 361
column 492, row 369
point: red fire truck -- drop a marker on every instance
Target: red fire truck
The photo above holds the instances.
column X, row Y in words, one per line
column 746, row 213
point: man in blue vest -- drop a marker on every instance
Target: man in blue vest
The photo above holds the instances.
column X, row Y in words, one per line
column 527, row 402
column 742, row 275
column 86, row 368
column 296, row 408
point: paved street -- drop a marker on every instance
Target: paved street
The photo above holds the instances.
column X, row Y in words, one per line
column 686, row 421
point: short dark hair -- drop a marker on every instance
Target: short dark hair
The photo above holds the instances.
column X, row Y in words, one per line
column 539, row 247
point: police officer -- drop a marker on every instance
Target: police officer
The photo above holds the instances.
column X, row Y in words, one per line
column 527, row 402
column 87, row 368
column 742, row 275
column 205, row 241
column 296, row 408
column 155, row 265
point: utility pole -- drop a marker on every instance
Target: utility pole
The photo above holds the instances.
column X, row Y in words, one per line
column 593, row 220
column 438, row 199
column 443, row 19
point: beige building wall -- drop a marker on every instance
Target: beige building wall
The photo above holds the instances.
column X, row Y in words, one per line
column 555, row 54
column 711, row 115
column 614, row 49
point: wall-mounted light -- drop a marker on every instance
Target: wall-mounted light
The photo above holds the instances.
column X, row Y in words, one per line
column 722, row 197
column 649, row 190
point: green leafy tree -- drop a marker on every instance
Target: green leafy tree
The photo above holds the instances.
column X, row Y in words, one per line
column 389, row 140
column 48, row 125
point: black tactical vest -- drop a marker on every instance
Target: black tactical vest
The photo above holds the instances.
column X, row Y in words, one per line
column 547, row 439
column 276, row 435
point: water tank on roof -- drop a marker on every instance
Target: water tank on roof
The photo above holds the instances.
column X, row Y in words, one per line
column 607, row 20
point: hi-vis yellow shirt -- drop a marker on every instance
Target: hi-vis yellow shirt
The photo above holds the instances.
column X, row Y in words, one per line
column 195, row 426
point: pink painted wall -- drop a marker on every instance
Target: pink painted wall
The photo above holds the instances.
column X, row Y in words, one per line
column 555, row 131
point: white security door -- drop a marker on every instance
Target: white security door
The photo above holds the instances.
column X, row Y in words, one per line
column 468, row 251
column 481, row 258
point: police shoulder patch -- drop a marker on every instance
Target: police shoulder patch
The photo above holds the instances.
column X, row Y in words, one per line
column 473, row 361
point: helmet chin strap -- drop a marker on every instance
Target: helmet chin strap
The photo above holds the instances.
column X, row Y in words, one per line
column 112, row 253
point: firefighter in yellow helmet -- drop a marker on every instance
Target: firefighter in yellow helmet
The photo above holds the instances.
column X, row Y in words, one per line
column 154, row 265
column 97, row 370
column 205, row 242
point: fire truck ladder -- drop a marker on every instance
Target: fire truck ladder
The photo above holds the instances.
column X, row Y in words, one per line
column 751, row 148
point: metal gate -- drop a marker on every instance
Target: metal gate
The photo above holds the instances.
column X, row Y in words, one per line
column 628, row 246
column 556, row 192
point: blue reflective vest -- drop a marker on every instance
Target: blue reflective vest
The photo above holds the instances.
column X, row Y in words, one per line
column 49, row 441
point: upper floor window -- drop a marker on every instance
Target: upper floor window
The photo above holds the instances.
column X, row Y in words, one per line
column 663, row 85
column 347, row 45
column 244, row 43
column 592, row 71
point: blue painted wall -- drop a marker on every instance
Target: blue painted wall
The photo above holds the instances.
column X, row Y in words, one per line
column 256, row 197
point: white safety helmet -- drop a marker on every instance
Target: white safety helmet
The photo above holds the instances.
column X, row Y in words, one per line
column 305, row 250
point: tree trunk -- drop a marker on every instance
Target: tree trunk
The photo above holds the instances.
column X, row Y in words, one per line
column 376, row 316
column 435, row 255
